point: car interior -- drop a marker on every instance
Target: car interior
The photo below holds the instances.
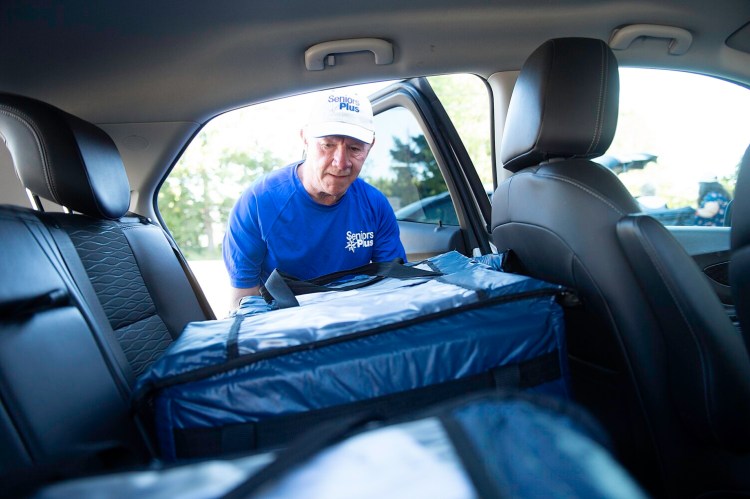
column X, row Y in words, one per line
column 99, row 103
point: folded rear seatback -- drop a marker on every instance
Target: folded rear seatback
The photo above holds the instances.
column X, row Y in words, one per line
column 389, row 347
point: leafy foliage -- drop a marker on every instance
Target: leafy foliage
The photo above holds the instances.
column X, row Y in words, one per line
column 197, row 197
column 465, row 99
column 416, row 171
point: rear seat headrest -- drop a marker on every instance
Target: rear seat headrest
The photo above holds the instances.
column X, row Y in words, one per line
column 63, row 158
column 564, row 104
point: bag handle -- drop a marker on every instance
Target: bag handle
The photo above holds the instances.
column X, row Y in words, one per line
column 283, row 287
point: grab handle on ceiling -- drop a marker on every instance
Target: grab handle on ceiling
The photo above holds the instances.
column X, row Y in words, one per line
column 317, row 56
column 680, row 39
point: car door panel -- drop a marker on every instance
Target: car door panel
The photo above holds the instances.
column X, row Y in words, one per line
column 423, row 240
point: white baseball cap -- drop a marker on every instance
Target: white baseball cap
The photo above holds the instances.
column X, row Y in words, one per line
column 339, row 112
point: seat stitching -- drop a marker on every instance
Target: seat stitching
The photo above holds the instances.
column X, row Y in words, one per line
column 140, row 226
column 602, row 89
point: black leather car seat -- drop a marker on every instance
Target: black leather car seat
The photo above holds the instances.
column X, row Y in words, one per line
column 652, row 352
column 65, row 384
column 739, row 263
column 143, row 284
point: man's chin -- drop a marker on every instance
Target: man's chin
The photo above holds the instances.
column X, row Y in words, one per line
column 337, row 189
column 336, row 194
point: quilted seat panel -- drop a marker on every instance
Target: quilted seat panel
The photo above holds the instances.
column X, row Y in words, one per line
column 115, row 276
column 113, row 271
column 143, row 342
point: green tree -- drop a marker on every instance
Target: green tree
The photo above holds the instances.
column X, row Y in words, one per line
column 416, row 172
column 198, row 195
column 420, row 175
column 184, row 213
column 466, row 100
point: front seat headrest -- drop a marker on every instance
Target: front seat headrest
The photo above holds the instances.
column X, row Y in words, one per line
column 564, row 104
column 63, row 158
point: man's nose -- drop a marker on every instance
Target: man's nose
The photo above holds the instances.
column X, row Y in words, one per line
column 341, row 158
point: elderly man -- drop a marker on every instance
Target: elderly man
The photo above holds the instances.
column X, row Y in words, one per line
column 315, row 216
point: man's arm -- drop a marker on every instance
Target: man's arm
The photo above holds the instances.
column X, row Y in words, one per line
column 237, row 294
column 243, row 249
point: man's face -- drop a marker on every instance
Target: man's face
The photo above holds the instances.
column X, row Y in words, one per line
column 331, row 165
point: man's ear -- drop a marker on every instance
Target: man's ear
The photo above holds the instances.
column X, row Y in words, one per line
column 303, row 137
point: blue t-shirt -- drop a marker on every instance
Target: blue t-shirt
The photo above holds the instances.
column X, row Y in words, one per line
column 276, row 224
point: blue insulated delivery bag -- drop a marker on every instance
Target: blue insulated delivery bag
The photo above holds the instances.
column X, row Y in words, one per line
column 364, row 344
column 489, row 446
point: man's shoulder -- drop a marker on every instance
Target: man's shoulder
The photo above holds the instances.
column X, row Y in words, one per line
column 266, row 195
column 274, row 183
column 374, row 198
column 363, row 189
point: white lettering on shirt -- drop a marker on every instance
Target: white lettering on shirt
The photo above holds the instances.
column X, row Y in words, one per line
column 355, row 240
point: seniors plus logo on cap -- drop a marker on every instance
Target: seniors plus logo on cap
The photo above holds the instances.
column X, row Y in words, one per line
column 341, row 113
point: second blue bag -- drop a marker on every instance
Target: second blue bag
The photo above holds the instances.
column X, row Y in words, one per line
column 380, row 346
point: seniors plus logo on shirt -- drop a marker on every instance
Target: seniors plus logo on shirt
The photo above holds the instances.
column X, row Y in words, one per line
column 356, row 240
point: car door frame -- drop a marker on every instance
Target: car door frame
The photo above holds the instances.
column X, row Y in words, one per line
column 470, row 200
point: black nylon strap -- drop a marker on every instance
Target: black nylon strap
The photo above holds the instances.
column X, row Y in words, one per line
column 203, row 442
column 470, row 458
column 277, row 288
column 507, row 377
column 394, row 268
column 283, row 287
column 233, row 349
column 539, row 370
